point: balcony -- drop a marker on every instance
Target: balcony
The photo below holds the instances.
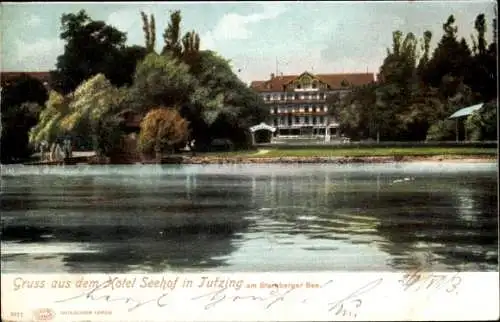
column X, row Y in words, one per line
column 300, row 125
column 301, row 113
column 305, row 100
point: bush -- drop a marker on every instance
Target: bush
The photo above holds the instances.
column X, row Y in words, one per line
column 162, row 129
column 443, row 130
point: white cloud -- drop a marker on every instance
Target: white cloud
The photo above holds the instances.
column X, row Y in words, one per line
column 235, row 26
column 33, row 21
column 40, row 55
column 207, row 41
column 125, row 20
column 258, row 66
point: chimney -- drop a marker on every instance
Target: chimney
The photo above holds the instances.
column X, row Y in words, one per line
column 272, row 75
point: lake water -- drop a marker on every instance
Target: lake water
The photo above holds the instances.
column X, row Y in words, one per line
column 249, row 217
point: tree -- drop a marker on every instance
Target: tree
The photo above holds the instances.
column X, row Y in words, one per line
column 482, row 124
column 482, row 76
column 451, row 60
column 16, row 124
column 22, row 102
column 48, row 127
column 390, row 112
column 92, row 110
column 149, row 29
column 191, row 47
column 92, row 47
column 161, row 130
column 222, row 102
column 23, row 88
column 425, row 47
column 479, row 43
column 161, row 80
column 172, row 35
column 442, row 130
column 185, row 48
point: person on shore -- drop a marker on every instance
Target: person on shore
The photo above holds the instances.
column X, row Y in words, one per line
column 67, row 148
column 192, row 147
column 59, row 152
column 43, row 149
column 52, row 153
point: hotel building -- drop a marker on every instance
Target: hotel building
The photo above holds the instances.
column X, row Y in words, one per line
column 298, row 103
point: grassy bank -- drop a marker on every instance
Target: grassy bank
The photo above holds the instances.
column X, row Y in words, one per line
column 360, row 152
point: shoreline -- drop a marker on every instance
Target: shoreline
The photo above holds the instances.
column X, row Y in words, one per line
column 334, row 160
column 262, row 159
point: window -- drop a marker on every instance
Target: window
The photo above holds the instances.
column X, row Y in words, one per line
column 297, row 120
column 289, row 120
column 306, row 119
column 296, row 96
column 322, row 96
column 268, row 97
column 276, row 110
column 282, row 97
column 275, row 121
column 314, row 119
column 298, row 86
column 322, row 119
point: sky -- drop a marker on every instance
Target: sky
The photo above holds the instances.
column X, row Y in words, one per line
column 259, row 38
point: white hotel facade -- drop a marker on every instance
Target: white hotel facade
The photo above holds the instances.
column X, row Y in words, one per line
column 298, row 103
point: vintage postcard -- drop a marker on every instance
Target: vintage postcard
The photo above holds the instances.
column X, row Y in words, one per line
column 249, row 161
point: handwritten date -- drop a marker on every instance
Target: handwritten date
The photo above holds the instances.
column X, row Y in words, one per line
column 420, row 281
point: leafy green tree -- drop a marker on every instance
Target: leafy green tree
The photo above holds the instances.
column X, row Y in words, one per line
column 482, row 77
column 160, row 80
column 48, row 127
column 425, row 48
column 172, row 35
column 483, row 123
column 16, row 122
column 92, row 47
column 392, row 113
column 451, row 60
column 442, row 130
column 225, row 104
column 22, row 101
column 21, row 89
column 92, row 110
column 191, row 47
column 185, row 48
column 149, row 29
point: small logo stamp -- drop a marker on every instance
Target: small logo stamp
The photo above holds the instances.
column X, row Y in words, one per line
column 44, row 314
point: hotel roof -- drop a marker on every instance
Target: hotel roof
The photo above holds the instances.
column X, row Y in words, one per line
column 336, row 81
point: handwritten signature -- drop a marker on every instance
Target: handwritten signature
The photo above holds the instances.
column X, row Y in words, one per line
column 95, row 294
column 345, row 306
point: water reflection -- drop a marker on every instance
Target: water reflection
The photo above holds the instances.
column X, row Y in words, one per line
column 249, row 218
column 453, row 218
column 146, row 224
